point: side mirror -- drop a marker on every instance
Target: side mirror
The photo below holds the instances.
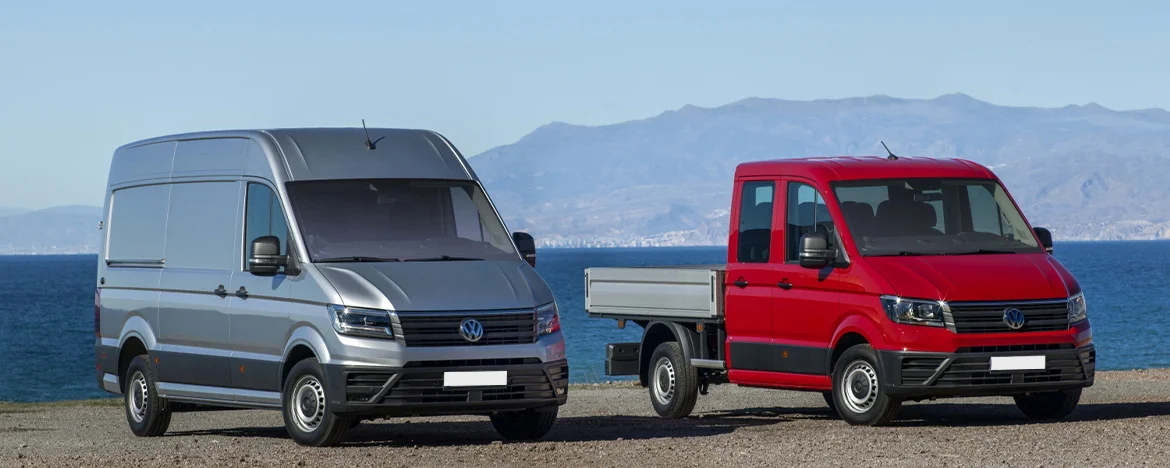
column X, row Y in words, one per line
column 814, row 250
column 527, row 246
column 1045, row 237
column 266, row 259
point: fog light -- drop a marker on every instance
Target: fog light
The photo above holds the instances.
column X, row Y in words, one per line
column 560, row 391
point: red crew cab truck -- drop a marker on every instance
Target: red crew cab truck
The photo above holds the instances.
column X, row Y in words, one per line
column 872, row 280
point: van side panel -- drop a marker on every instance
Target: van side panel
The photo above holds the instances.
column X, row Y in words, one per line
column 211, row 157
column 194, row 321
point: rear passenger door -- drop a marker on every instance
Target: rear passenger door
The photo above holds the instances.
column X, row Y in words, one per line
column 259, row 304
column 194, row 344
column 750, row 283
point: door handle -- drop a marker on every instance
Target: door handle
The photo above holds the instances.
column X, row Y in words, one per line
column 785, row 285
column 242, row 293
column 220, row 291
column 740, row 283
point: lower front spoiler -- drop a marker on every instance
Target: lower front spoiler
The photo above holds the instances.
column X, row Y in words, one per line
column 967, row 373
column 417, row 389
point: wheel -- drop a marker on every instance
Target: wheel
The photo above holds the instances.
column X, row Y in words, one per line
column 674, row 383
column 1052, row 405
column 857, row 391
column 524, row 425
column 148, row 414
column 307, row 416
column 830, row 401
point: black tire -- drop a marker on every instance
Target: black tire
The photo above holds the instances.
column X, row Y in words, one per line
column 148, row 414
column 830, row 400
column 673, row 382
column 308, row 417
column 1051, row 405
column 858, row 394
column 524, row 425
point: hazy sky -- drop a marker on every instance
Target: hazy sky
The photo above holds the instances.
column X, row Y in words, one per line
column 78, row 80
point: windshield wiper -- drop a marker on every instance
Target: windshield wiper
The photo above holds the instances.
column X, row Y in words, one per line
column 982, row 251
column 356, row 259
column 443, row 258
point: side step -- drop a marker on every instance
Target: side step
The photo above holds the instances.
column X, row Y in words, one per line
column 708, row 364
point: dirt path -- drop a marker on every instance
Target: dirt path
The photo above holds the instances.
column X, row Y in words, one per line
column 1123, row 421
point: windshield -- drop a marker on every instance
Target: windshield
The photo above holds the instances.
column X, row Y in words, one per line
column 932, row 217
column 398, row 220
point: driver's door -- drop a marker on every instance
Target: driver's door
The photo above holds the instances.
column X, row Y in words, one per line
column 805, row 305
column 259, row 304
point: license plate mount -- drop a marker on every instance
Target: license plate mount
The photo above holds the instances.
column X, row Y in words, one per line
column 1017, row 363
column 475, row 379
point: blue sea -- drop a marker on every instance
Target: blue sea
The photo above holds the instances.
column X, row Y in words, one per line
column 46, row 311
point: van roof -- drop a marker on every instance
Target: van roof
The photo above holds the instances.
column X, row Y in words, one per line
column 839, row 168
column 322, row 153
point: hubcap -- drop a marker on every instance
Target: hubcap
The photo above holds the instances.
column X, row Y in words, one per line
column 137, row 398
column 859, row 386
column 308, row 403
column 663, row 381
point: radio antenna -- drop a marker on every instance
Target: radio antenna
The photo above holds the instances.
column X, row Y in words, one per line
column 370, row 145
column 892, row 156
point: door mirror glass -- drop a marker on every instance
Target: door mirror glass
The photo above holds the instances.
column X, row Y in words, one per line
column 526, row 245
column 1045, row 238
column 266, row 259
column 815, row 251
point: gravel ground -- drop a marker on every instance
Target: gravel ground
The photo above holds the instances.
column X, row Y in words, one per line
column 1124, row 420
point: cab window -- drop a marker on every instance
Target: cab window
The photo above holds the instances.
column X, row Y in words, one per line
column 806, row 213
column 263, row 217
column 755, row 221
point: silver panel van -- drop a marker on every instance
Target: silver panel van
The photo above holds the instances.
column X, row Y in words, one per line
column 335, row 274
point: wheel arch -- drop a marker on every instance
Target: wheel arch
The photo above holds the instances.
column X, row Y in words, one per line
column 854, row 330
column 657, row 333
column 304, row 343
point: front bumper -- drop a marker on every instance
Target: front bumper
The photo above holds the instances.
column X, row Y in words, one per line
column 417, row 389
column 912, row 374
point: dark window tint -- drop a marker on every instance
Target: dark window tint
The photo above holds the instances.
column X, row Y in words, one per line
column 806, row 213
column 264, row 218
column 755, row 221
column 398, row 219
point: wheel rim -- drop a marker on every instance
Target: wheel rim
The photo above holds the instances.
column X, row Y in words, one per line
column 137, row 398
column 664, row 381
column 859, row 386
column 308, row 404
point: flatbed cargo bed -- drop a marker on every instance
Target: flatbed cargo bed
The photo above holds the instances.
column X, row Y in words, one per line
column 677, row 292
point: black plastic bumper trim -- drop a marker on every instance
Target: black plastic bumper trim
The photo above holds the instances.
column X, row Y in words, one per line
column 937, row 385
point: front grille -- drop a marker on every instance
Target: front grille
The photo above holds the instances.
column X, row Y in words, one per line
column 1014, row 348
column 965, row 371
column 426, row 386
column 987, row 317
column 499, row 328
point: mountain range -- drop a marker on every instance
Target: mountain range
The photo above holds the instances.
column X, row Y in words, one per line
column 1087, row 172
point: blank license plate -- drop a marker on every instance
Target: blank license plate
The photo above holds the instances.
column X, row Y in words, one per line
column 475, row 379
column 1011, row 363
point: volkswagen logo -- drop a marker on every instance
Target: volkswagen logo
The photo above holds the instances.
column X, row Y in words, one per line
column 1014, row 318
column 471, row 330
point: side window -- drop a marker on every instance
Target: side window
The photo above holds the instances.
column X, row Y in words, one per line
column 263, row 217
column 755, row 221
column 807, row 212
column 138, row 224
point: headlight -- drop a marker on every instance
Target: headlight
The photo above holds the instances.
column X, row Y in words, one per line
column 361, row 322
column 548, row 320
column 1076, row 308
column 914, row 311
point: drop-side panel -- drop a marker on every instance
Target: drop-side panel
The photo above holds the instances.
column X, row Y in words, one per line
column 694, row 292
